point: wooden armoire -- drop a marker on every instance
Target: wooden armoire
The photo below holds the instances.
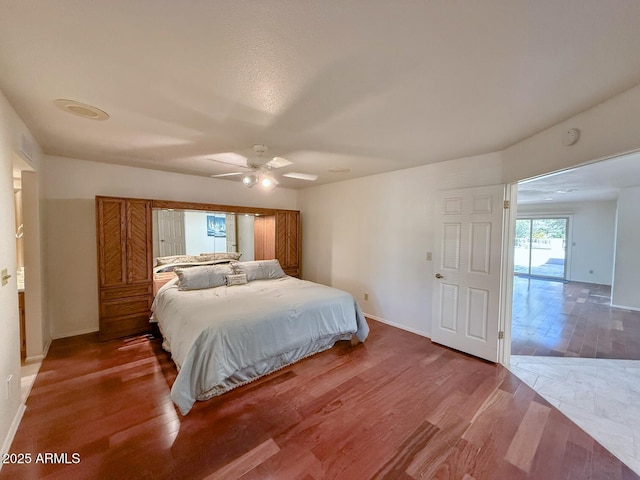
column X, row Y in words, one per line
column 125, row 255
column 125, row 265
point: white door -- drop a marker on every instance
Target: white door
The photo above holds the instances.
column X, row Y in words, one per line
column 232, row 242
column 171, row 232
column 467, row 267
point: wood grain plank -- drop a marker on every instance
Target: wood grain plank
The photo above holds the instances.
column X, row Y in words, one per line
column 526, row 441
column 571, row 319
column 246, row 462
column 397, row 407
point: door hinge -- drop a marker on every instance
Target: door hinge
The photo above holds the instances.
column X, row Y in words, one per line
column 500, row 335
column 506, row 204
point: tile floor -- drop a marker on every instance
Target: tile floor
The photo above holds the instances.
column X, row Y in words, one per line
column 601, row 396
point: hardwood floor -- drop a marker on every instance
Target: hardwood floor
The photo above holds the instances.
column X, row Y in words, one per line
column 395, row 407
column 572, row 320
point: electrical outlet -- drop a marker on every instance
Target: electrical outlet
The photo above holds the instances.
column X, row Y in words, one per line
column 429, row 256
column 366, row 296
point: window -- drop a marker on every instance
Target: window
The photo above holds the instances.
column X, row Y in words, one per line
column 541, row 247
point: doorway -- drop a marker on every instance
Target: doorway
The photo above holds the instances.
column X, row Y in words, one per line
column 568, row 342
column 541, row 247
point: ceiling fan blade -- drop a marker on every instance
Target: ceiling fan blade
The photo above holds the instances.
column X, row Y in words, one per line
column 278, row 162
column 219, row 175
column 230, row 158
column 301, row 176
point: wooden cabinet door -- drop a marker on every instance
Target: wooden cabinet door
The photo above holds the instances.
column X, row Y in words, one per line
column 124, row 241
column 288, row 241
column 264, row 238
column 23, row 327
column 112, row 241
column 139, row 251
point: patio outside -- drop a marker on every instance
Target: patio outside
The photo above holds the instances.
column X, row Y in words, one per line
column 540, row 247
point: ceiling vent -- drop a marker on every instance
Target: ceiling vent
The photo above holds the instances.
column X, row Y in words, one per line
column 81, row 109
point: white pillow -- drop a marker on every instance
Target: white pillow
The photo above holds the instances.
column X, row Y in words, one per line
column 175, row 259
column 197, row 278
column 259, row 269
column 222, row 256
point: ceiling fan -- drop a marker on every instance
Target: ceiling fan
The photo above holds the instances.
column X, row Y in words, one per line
column 258, row 169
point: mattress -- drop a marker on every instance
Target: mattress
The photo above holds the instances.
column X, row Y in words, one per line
column 223, row 337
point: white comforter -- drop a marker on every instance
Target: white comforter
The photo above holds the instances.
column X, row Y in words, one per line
column 246, row 331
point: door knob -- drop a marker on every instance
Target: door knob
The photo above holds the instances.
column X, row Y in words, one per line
column 439, row 276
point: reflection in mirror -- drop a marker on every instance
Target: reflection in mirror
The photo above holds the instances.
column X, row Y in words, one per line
column 193, row 232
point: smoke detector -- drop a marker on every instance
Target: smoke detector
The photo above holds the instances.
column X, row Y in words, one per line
column 571, row 136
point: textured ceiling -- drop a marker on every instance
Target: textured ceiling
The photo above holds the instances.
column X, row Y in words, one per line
column 597, row 181
column 365, row 85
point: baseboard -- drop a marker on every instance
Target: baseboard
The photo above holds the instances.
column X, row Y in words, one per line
column 6, row 445
column 41, row 357
column 624, row 307
column 45, row 351
column 397, row 325
column 73, row 334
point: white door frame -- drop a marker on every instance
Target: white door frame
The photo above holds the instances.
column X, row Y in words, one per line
column 506, row 284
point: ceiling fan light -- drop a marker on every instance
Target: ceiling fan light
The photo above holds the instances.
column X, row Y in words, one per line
column 268, row 182
column 249, row 180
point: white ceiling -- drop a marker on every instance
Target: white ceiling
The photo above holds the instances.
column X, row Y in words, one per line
column 368, row 85
column 597, row 181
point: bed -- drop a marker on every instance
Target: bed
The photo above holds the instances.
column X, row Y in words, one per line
column 228, row 325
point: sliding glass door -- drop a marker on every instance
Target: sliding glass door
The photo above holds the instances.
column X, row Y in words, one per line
column 541, row 247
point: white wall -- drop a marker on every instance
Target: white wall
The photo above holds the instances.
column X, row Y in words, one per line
column 608, row 129
column 591, row 237
column 626, row 279
column 37, row 327
column 196, row 239
column 12, row 130
column 9, row 327
column 372, row 234
column 70, row 188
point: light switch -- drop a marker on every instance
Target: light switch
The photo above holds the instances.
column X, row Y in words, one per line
column 429, row 256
